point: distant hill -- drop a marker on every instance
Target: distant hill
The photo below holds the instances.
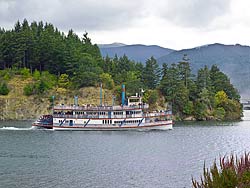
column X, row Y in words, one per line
column 234, row 60
column 115, row 44
column 137, row 52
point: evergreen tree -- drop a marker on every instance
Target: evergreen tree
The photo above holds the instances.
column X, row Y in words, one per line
column 220, row 82
column 203, row 79
column 151, row 74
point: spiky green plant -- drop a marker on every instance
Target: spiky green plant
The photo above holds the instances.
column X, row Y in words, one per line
column 234, row 172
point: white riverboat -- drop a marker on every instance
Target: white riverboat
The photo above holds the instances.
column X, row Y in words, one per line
column 130, row 115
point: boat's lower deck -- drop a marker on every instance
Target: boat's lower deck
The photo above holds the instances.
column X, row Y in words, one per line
column 161, row 125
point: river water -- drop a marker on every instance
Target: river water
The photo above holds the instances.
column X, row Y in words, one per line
column 46, row 158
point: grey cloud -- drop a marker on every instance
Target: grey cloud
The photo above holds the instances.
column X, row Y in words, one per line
column 75, row 14
column 94, row 15
column 97, row 14
column 194, row 13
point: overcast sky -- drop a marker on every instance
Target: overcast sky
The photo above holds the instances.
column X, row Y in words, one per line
column 173, row 24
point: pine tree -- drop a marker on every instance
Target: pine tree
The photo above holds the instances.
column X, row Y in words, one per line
column 151, row 74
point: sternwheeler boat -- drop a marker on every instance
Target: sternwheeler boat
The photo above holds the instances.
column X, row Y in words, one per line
column 44, row 122
column 132, row 114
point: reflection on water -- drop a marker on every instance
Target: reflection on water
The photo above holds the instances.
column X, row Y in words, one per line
column 32, row 158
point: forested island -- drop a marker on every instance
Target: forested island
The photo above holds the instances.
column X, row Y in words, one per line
column 37, row 61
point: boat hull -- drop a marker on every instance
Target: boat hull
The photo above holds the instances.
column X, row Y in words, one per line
column 163, row 125
column 42, row 126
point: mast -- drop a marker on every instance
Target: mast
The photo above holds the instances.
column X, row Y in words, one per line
column 101, row 94
column 123, row 94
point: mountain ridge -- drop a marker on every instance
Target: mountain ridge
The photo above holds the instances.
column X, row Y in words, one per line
column 136, row 52
column 232, row 59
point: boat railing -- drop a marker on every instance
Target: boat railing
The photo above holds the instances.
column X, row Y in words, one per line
column 75, row 116
column 96, row 116
column 99, row 108
column 156, row 114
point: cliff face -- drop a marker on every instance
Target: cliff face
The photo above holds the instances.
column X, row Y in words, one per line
column 17, row 106
column 23, row 108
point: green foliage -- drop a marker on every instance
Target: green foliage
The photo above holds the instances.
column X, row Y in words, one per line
column 36, row 75
column 233, row 110
column 6, row 74
column 63, row 81
column 203, row 79
column 42, row 82
column 107, row 81
column 66, row 60
column 4, row 90
column 85, row 79
column 188, row 108
column 200, row 110
column 41, row 87
column 87, row 72
column 220, row 82
column 151, row 97
column 206, row 98
column 233, row 172
column 39, row 46
column 28, row 89
column 209, row 91
column 49, row 79
column 219, row 113
column 35, row 88
column 25, row 73
column 151, row 73
column 133, row 82
column 220, row 98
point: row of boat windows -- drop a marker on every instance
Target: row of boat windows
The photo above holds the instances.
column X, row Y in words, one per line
column 60, row 121
column 120, row 122
column 132, row 112
column 107, row 121
column 127, row 122
column 117, row 113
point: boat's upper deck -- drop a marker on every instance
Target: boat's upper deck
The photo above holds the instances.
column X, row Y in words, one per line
column 99, row 108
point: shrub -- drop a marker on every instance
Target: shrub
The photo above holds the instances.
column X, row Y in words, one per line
column 188, row 108
column 25, row 73
column 49, row 79
column 107, row 81
column 200, row 110
column 28, row 90
column 35, row 88
column 219, row 113
column 63, row 81
column 233, row 172
column 36, row 75
column 6, row 74
column 4, row 90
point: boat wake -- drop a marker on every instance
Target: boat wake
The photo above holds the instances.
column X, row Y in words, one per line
column 17, row 129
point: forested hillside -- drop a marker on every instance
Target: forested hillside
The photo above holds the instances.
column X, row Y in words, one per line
column 234, row 60
column 48, row 62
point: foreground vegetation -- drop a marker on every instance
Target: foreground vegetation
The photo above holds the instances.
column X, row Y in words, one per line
column 233, row 172
column 52, row 63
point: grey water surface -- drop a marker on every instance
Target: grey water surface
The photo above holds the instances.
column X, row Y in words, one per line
column 47, row 158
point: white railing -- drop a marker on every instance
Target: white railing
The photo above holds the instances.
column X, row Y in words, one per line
column 89, row 116
column 99, row 108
